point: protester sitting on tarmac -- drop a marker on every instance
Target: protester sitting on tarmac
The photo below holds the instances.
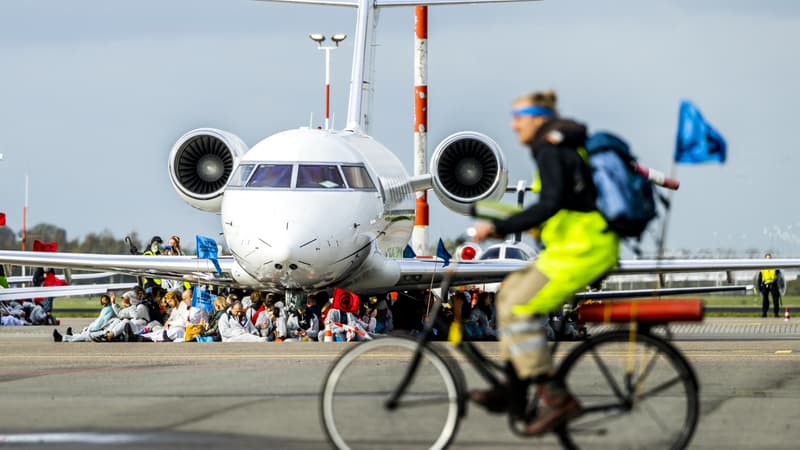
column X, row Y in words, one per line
column 302, row 324
column 234, row 326
column 334, row 321
column 231, row 299
column 277, row 330
column 383, row 318
column 407, row 311
column 35, row 313
column 258, row 315
column 480, row 316
column 195, row 314
column 95, row 329
column 255, row 312
column 154, row 301
column 16, row 310
column 8, row 319
column 220, row 306
column 314, row 302
column 325, row 305
column 131, row 318
column 175, row 324
column 367, row 317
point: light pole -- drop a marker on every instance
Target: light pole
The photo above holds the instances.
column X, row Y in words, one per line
column 319, row 39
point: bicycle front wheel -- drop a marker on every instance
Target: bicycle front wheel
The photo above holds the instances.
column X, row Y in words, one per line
column 636, row 391
column 354, row 408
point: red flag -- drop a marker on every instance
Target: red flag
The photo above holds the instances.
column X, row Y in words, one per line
column 39, row 246
column 345, row 301
column 2, row 219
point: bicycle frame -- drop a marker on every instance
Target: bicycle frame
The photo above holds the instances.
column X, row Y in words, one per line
column 489, row 370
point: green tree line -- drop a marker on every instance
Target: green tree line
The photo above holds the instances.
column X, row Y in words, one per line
column 101, row 242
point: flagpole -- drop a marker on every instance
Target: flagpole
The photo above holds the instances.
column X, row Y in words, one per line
column 25, row 221
column 664, row 225
column 430, row 292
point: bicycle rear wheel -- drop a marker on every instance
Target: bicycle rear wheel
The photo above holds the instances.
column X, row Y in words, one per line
column 353, row 401
column 634, row 393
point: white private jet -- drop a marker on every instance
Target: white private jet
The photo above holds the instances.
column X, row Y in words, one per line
column 309, row 209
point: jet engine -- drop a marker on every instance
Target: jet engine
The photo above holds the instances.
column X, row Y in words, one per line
column 467, row 167
column 200, row 164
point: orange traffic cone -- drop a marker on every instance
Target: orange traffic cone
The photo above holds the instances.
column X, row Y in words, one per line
column 328, row 334
column 786, row 315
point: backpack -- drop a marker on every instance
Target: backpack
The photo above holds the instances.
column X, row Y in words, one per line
column 624, row 197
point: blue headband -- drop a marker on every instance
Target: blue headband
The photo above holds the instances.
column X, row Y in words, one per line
column 533, row 111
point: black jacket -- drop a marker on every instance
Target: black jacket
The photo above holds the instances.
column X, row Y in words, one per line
column 566, row 178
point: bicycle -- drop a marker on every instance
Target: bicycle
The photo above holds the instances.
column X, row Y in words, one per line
column 631, row 382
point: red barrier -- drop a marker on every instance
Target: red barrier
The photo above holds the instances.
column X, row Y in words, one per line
column 643, row 311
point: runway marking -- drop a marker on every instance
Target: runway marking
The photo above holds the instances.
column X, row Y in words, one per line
column 783, row 352
column 74, row 438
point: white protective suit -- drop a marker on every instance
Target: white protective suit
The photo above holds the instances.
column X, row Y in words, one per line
column 231, row 329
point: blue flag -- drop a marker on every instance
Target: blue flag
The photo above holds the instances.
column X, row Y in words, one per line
column 408, row 252
column 207, row 249
column 697, row 141
column 203, row 299
column 441, row 252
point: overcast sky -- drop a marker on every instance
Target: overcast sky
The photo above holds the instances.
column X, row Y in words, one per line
column 94, row 93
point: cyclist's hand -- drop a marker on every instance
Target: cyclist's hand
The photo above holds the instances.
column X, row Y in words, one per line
column 482, row 231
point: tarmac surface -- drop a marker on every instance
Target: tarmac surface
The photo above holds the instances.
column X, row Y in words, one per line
column 236, row 396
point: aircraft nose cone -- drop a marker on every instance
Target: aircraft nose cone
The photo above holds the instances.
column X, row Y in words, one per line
column 280, row 253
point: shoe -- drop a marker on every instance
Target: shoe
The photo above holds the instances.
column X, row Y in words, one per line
column 494, row 400
column 164, row 336
column 553, row 411
column 100, row 338
column 57, row 336
column 128, row 333
column 69, row 331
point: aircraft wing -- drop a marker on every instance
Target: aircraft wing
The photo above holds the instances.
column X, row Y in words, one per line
column 188, row 268
column 641, row 266
column 639, row 293
column 393, row 274
column 422, row 273
column 75, row 277
column 60, row 291
column 427, row 273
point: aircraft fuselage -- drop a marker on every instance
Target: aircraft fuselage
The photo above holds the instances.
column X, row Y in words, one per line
column 305, row 208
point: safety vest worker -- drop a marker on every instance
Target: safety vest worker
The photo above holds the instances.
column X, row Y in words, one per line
column 770, row 282
column 154, row 249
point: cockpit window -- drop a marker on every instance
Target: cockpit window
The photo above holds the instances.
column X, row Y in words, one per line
column 515, row 253
column 319, row 176
column 357, row 177
column 272, row 176
column 241, row 175
column 492, row 253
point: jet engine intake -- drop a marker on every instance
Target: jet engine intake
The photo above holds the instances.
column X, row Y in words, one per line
column 467, row 167
column 200, row 164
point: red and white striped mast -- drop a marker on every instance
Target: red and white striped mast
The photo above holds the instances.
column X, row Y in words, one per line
column 419, row 236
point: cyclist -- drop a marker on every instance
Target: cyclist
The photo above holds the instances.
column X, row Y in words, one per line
column 578, row 250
